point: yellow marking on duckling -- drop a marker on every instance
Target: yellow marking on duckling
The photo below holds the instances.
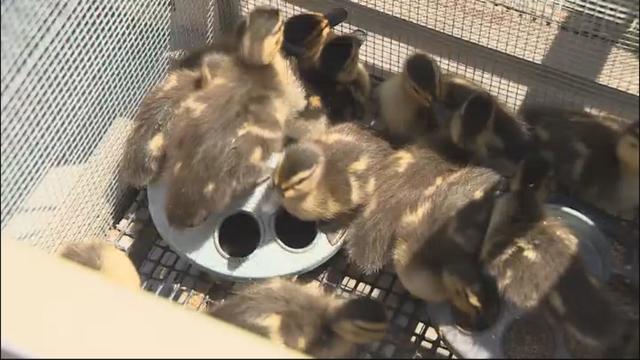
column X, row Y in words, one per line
column 583, row 152
column 371, row 206
column 412, row 218
column 258, row 131
column 332, row 138
column 401, row 254
column 359, row 165
column 556, row 302
column 256, row 156
column 478, row 194
column 194, row 106
column 301, row 343
column 473, row 299
column 273, row 323
column 371, row 186
column 156, row 145
column 528, row 250
column 169, row 83
column 404, row 159
column 568, row 239
column 176, row 167
column 208, row 190
column 315, row 102
column 356, row 190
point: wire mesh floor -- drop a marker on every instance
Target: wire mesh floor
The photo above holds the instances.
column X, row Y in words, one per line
column 166, row 274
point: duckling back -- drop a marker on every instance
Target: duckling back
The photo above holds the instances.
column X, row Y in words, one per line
column 145, row 149
column 225, row 133
column 114, row 264
column 304, row 317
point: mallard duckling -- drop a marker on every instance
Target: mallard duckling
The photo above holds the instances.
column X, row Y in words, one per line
column 489, row 133
column 305, row 34
column 305, row 318
column 405, row 100
column 398, row 185
column 438, row 239
column 114, row 264
column 534, row 259
column 344, row 85
column 232, row 125
column 595, row 157
column 328, row 174
column 145, row 148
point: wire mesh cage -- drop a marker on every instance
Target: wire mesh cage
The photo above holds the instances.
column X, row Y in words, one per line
column 74, row 72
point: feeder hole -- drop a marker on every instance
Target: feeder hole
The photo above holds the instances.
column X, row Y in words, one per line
column 293, row 232
column 239, row 235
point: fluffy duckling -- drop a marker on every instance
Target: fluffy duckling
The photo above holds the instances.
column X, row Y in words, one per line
column 595, row 157
column 305, row 318
column 230, row 127
column 339, row 79
column 534, row 259
column 399, row 185
column 145, row 148
column 328, row 174
column 305, row 34
column 489, row 133
column 439, row 236
column 405, row 100
column 114, row 264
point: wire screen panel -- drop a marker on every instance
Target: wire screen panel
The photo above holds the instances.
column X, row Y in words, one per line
column 166, row 274
column 396, row 29
column 73, row 73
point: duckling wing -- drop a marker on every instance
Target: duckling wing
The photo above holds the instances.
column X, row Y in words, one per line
column 144, row 153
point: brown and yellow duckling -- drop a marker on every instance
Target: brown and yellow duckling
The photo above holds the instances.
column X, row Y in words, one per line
column 330, row 173
column 595, row 157
column 231, row 126
column 535, row 260
column 305, row 318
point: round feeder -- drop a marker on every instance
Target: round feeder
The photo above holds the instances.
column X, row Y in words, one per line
column 249, row 240
column 515, row 334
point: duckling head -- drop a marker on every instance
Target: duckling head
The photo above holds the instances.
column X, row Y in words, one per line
column 533, row 177
column 304, row 35
column 261, row 36
column 627, row 148
column 339, row 56
column 300, row 170
column 421, row 78
column 474, row 119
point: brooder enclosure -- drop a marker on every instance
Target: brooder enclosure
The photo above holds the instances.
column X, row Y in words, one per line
column 74, row 74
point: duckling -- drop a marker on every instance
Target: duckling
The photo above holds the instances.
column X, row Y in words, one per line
column 305, row 34
column 301, row 32
column 305, row 318
column 438, row 239
column 405, row 100
column 145, row 148
column 339, row 79
column 329, row 174
column 535, row 262
column 114, row 264
column 595, row 157
column 419, row 102
column 232, row 125
column 489, row 133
